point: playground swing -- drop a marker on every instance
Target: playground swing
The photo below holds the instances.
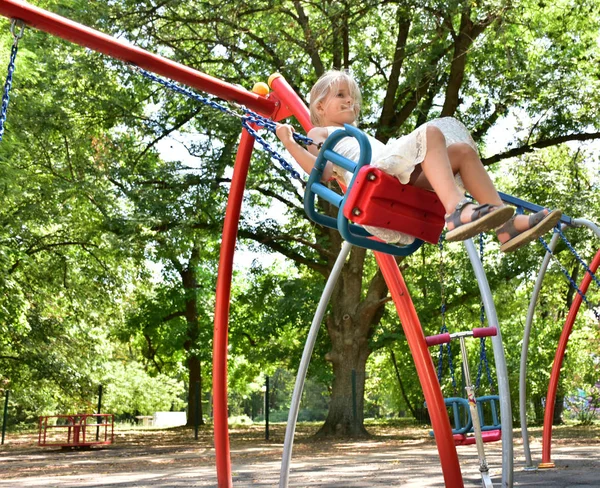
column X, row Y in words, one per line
column 373, row 197
column 290, row 105
column 459, row 410
column 476, row 414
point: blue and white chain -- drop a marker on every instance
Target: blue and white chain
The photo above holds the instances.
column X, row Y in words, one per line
column 573, row 284
column 248, row 119
column 11, row 69
column 483, row 360
column 574, row 252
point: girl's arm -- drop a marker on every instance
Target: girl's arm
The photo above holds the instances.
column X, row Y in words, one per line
column 305, row 158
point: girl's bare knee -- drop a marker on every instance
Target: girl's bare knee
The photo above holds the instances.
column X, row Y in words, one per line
column 434, row 136
column 461, row 150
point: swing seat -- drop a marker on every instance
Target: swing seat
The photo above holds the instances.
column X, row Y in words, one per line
column 462, row 432
column 490, row 405
column 380, row 200
column 490, row 432
column 486, row 436
column 372, row 198
column 460, row 416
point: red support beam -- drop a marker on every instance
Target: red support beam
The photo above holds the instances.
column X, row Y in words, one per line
column 425, row 370
column 220, row 335
column 291, row 102
column 103, row 43
column 558, row 361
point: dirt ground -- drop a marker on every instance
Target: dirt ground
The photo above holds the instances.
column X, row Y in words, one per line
column 400, row 456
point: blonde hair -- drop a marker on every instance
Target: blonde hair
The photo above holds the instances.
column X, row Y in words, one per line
column 328, row 82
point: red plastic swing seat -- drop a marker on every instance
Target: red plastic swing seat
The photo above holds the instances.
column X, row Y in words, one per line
column 486, row 435
column 380, row 200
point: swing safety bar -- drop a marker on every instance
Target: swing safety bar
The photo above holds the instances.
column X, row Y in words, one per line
column 438, row 339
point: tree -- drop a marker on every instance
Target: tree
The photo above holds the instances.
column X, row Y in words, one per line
column 64, row 277
column 414, row 61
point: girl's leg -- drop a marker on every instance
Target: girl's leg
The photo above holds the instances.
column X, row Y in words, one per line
column 440, row 165
column 521, row 229
column 465, row 161
column 437, row 172
column 463, row 219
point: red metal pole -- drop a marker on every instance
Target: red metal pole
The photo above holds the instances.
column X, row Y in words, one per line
column 558, row 360
column 425, row 370
column 232, row 218
column 292, row 104
column 97, row 41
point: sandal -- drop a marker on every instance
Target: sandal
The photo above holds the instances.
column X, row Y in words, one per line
column 539, row 224
column 485, row 217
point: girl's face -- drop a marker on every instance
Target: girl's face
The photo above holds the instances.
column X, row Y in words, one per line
column 337, row 108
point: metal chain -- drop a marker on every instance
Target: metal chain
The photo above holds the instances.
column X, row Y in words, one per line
column 444, row 327
column 15, row 24
column 577, row 256
column 573, row 284
column 187, row 92
column 272, row 126
column 248, row 117
column 483, row 359
column 246, row 121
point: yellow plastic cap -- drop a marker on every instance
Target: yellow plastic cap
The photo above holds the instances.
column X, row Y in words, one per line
column 273, row 77
column 260, row 88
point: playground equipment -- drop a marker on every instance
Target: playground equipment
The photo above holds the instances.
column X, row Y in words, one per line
column 80, row 430
column 475, row 411
column 404, row 306
column 372, row 198
column 458, row 407
column 567, row 328
column 261, row 110
column 280, row 103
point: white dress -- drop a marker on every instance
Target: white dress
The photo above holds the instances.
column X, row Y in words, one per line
column 399, row 157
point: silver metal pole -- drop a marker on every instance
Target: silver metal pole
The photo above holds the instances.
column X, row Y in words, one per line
column 501, row 370
column 483, row 465
column 586, row 223
column 305, row 361
column 524, row 350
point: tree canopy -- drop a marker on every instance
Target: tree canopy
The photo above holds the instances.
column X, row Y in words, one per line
column 110, row 239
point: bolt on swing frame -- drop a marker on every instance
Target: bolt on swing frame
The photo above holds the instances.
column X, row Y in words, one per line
column 282, row 104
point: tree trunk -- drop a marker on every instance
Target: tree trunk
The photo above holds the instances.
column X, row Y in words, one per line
column 538, row 408
column 399, row 378
column 190, row 285
column 558, row 409
column 346, row 409
column 195, row 376
column 350, row 325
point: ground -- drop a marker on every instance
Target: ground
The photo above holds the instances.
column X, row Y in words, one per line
column 394, row 456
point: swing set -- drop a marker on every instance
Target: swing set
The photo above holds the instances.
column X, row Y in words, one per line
column 459, row 408
column 372, row 198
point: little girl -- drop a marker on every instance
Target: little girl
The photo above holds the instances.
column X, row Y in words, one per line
column 429, row 157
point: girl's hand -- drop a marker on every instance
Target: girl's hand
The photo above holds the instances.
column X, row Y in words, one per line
column 285, row 133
